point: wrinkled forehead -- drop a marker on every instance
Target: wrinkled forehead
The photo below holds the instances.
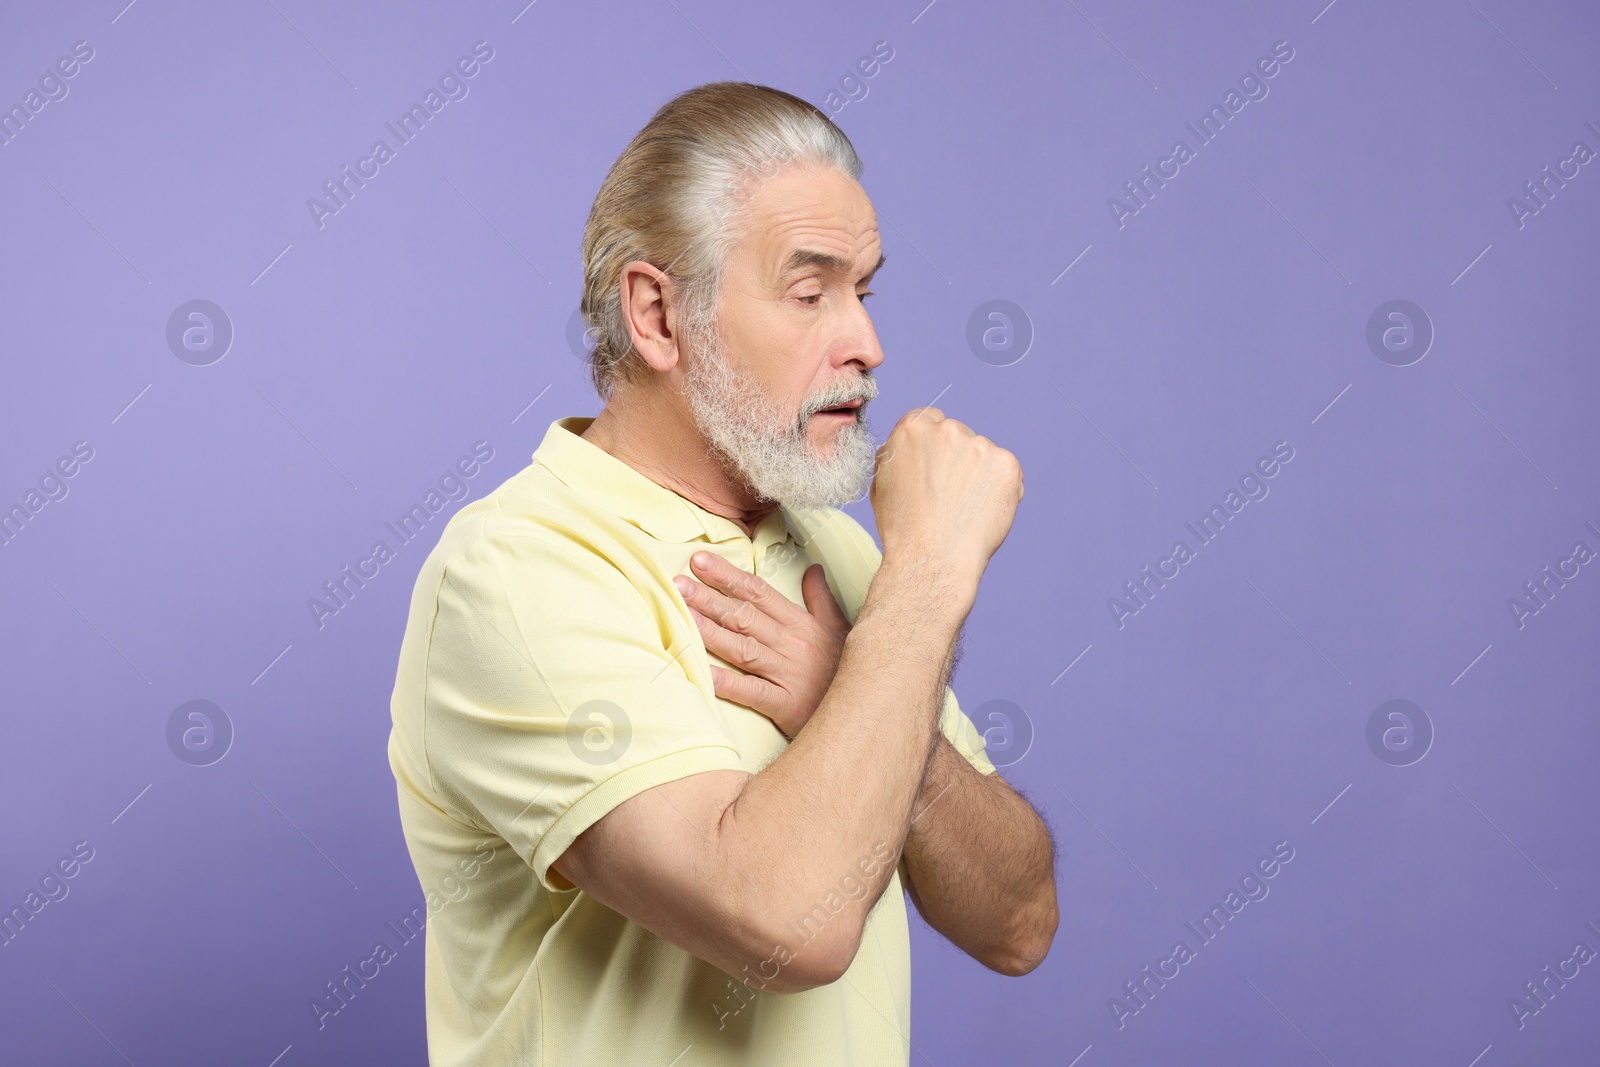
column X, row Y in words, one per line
column 813, row 221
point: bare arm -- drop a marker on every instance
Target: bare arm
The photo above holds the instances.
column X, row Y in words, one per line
column 979, row 860
column 721, row 863
column 982, row 865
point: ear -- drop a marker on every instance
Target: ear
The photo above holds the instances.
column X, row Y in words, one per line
column 649, row 307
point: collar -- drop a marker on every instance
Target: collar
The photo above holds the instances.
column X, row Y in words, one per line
column 596, row 474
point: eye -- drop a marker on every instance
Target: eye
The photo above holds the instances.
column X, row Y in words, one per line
column 864, row 296
column 807, row 300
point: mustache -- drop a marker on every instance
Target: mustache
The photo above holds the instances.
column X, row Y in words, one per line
column 863, row 388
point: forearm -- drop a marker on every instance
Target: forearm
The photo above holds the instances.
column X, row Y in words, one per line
column 981, row 865
column 847, row 783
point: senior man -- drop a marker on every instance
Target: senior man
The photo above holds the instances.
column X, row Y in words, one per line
column 672, row 737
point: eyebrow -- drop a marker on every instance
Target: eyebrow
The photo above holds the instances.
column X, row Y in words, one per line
column 801, row 258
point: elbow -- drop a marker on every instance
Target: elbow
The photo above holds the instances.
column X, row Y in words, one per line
column 792, row 965
column 771, row 943
column 1016, row 961
column 1028, row 945
column 820, row 961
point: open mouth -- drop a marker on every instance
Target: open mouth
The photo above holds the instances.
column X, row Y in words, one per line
column 843, row 411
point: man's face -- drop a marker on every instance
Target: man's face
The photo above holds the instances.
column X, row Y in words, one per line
column 791, row 342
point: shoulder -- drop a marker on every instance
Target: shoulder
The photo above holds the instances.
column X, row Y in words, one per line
column 531, row 515
column 530, row 543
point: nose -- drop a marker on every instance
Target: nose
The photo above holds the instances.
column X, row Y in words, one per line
column 861, row 347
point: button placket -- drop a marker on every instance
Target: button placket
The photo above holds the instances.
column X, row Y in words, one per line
column 777, row 555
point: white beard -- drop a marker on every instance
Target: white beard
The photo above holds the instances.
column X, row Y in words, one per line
column 766, row 447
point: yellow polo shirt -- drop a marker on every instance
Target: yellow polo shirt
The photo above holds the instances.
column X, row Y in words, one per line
column 549, row 671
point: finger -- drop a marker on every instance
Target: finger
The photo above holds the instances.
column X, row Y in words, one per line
column 742, row 650
column 767, row 606
column 819, row 598
column 724, row 577
column 739, row 616
column 753, row 692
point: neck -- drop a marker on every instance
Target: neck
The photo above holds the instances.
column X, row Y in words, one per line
column 656, row 437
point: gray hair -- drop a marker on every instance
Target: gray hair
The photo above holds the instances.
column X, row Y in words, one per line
column 676, row 196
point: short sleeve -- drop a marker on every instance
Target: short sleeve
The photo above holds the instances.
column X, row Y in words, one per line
column 963, row 734
column 856, row 570
column 552, row 694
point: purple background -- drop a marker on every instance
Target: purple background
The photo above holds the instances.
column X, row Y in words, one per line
column 1228, row 314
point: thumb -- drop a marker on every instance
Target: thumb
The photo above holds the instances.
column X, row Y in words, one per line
column 819, row 598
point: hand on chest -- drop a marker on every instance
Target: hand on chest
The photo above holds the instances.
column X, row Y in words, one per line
column 781, row 564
